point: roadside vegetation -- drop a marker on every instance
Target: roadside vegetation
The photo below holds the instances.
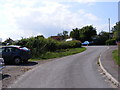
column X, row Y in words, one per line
column 115, row 56
column 57, row 46
column 59, row 53
column 42, row 48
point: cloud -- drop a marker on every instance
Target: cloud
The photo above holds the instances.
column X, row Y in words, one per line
column 53, row 16
column 92, row 17
column 25, row 18
column 103, row 27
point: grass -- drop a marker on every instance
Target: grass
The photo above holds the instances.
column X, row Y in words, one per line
column 59, row 53
column 115, row 56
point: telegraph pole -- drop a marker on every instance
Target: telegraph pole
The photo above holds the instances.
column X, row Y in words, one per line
column 109, row 27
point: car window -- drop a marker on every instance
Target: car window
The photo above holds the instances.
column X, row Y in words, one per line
column 8, row 49
column 15, row 49
column 24, row 48
column 0, row 50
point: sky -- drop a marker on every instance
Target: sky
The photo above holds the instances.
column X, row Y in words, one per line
column 26, row 18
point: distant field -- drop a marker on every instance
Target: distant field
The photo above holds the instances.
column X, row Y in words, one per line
column 59, row 53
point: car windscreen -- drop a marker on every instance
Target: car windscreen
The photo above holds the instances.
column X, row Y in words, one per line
column 24, row 48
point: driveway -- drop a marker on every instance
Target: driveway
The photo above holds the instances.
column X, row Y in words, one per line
column 75, row 71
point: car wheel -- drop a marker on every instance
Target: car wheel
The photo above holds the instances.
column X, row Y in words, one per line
column 17, row 61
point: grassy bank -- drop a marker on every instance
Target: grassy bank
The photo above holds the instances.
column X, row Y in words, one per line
column 115, row 56
column 59, row 53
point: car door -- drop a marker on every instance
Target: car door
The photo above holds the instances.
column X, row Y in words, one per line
column 7, row 54
column 0, row 52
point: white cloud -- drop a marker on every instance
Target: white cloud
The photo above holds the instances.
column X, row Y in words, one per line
column 86, row 1
column 103, row 27
column 92, row 17
column 81, row 11
column 26, row 18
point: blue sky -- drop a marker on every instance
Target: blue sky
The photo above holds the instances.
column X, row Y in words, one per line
column 26, row 18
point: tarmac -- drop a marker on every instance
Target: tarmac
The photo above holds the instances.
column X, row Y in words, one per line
column 108, row 65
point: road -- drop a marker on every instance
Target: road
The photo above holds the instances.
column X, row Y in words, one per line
column 76, row 71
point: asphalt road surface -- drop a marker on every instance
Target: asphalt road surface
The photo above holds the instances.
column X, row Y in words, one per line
column 76, row 71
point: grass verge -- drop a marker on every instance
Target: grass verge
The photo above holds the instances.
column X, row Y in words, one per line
column 115, row 56
column 59, row 53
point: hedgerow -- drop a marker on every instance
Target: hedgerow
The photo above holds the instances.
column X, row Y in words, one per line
column 41, row 45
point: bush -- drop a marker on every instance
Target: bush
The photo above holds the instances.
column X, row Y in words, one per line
column 70, row 44
column 51, row 44
column 111, row 42
column 40, row 45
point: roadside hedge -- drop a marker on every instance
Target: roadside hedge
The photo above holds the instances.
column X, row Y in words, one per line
column 111, row 42
column 41, row 45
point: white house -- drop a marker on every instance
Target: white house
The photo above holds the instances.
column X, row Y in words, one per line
column 70, row 39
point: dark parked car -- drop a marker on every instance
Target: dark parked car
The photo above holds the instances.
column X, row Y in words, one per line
column 15, row 54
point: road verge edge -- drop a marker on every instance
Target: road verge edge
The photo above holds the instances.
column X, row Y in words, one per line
column 109, row 76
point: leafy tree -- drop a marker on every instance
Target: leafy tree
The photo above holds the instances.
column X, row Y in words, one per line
column 40, row 36
column 101, row 38
column 59, row 34
column 84, row 34
column 9, row 41
column 75, row 34
column 116, row 31
column 87, row 33
column 63, row 35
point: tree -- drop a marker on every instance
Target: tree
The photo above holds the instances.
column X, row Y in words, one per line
column 101, row 38
column 87, row 33
column 63, row 35
column 59, row 34
column 116, row 31
column 84, row 34
column 9, row 41
column 75, row 34
column 40, row 36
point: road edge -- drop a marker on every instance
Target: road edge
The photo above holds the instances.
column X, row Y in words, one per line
column 109, row 76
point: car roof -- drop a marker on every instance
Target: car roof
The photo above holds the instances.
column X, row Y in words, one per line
column 12, row 46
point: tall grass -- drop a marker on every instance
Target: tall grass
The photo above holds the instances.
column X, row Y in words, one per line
column 115, row 56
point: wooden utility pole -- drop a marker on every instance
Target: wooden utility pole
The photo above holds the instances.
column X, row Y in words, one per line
column 109, row 27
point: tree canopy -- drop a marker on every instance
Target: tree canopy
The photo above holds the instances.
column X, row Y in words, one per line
column 116, row 31
column 84, row 34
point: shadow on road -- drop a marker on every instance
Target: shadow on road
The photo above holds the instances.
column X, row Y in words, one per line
column 3, row 76
column 30, row 63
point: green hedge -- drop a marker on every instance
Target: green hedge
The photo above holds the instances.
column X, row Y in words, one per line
column 69, row 44
column 40, row 45
column 111, row 42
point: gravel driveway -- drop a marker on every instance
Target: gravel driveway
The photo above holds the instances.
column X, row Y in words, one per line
column 12, row 72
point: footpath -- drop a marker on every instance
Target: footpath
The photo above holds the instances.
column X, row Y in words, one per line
column 108, row 65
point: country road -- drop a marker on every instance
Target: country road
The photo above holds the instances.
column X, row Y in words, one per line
column 76, row 71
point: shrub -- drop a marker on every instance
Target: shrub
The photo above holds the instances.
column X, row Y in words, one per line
column 40, row 45
column 69, row 44
column 111, row 42
column 51, row 44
